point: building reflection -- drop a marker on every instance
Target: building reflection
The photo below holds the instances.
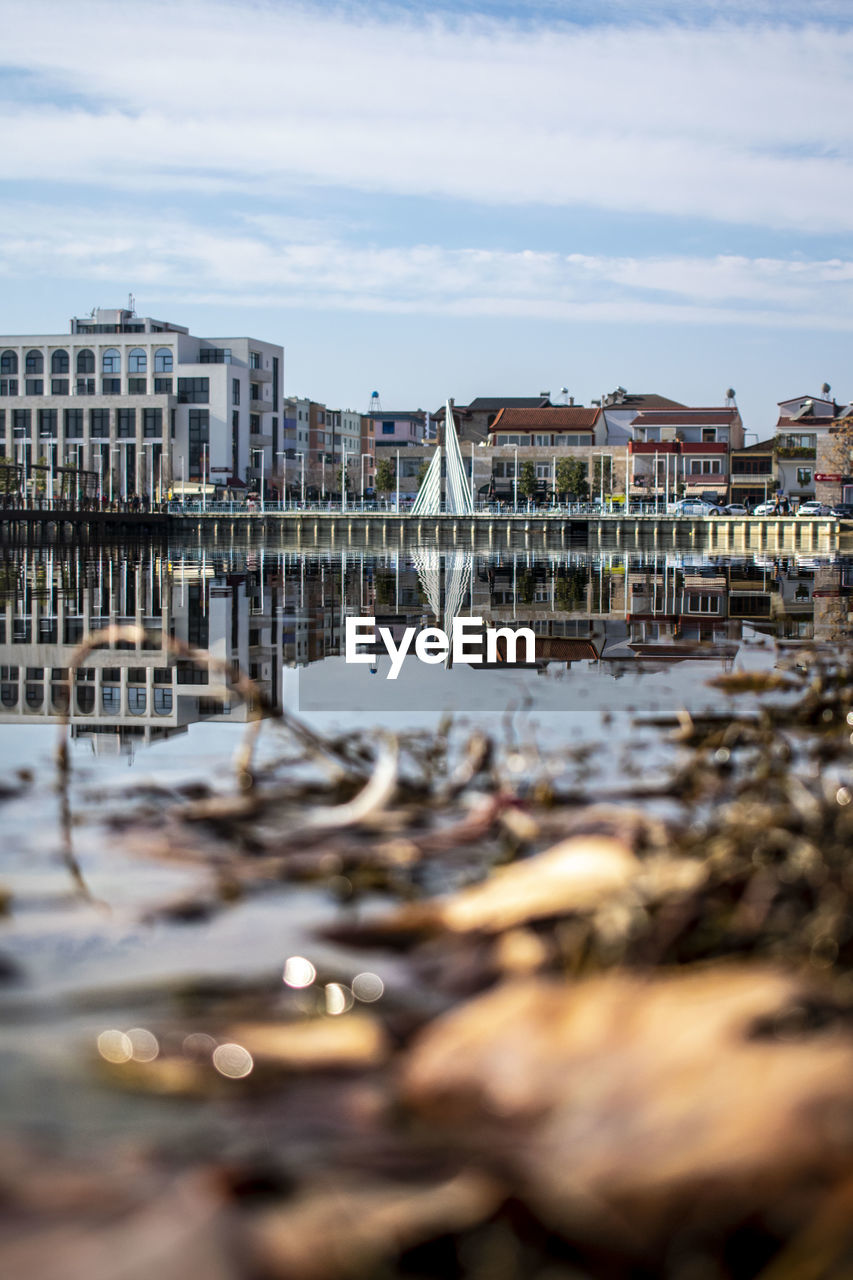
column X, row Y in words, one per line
column 262, row 612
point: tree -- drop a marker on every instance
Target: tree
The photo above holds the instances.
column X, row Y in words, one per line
column 386, row 476
column 422, row 471
column 571, row 478
column 602, row 469
column 527, row 480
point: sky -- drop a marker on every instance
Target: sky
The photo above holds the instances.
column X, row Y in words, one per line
column 449, row 199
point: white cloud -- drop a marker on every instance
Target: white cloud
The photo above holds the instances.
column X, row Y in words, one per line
column 267, row 262
column 739, row 124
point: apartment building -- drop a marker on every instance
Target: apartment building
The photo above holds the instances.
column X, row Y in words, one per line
column 683, row 450
column 143, row 404
column 803, row 426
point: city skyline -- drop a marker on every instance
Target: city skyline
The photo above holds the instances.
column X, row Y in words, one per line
column 476, row 200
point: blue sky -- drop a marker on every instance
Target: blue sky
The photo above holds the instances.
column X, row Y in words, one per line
column 462, row 199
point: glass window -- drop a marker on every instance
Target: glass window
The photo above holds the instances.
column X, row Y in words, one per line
column 34, row 362
column 163, row 386
column 85, row 386
column 99, row 423
column 74, row 422
column 235, row 392
column 85, row 699
column 152, row 423
column 59, row 386
column 193, row 390
column 137, row 361
column 8, row 386
column 85, row 361
column 136, row 701
column 59, row 362
column 254, row 359
column 111, row 361
column 162, row 701
column 137, row 386
column 35, row 386
column 111, row 386
column 162, row 360
column 9, row 362
column 47, row 421
column 111, row 698
column 126, row 427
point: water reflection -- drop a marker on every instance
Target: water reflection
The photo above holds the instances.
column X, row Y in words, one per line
column 265, row 612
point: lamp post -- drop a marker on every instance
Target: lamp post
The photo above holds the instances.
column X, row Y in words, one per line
column 52, row 443
column 281, row 453
column 302, row 478
column 114, row 448
column 343, row 476
column 515, row 485
column 363, row 456
column 398, row 482
column 149, row 444
column 204, row 475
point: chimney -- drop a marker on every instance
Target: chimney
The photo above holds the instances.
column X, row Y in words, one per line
column 571, row 400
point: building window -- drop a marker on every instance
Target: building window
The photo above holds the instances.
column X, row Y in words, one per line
column 34, row 386
column 59, row 386
column 214, row 355
column 74, row 423
column 705, row 466
column 34, row 362
column 709, row 434
column 8, row 386
column 111, row 698
column 111, row 386
column 9, row 362
column 85, row 386
column 193, row 390
column 254, row 359
column 137, row 361
column 111, row 361
column 235, row 390
column 162, row 702
column 137, row 386
column 199, row 435
column 21, row 423
column 47, row 421
column 99, row 423
column 163, row 386
column 136, row 701
column 162, row 360
column 152, row 423
column 235, row 441
column 387, row 428
column 126, row 427
column 85, row 361
column 59, row 362
column 804, row 477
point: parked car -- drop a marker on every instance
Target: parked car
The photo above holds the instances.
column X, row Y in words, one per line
column 735, row 509
column 843, row 510
column 765, row 509
column 814, row 509
column 694, row 507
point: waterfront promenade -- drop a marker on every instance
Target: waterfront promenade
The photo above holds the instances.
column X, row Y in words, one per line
column 484, row 528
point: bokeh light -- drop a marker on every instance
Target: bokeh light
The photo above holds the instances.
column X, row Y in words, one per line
column 115, row 1046
column 368, row 987
column 299, row 972
column 232, row 1060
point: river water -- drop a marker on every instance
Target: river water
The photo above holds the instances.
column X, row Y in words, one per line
column 620, row 639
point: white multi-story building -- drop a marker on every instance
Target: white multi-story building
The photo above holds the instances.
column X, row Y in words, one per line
column 142, row 403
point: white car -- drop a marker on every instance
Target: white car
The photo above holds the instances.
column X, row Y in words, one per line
column 695, row 507
column 764, row 509
column 814, row 509
column 735, row 509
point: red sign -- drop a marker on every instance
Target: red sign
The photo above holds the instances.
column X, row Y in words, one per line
column 820, row 475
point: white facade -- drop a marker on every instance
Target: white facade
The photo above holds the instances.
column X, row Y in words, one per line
column 141, row 403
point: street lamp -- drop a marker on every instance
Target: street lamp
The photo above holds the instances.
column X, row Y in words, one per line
column 343, row 476
column 114, row 448
column 151, row 444
column 302, row 479
column 204, row 475
column 52, row 442
column 281, row 453
column 363, row 456
column 515, row 485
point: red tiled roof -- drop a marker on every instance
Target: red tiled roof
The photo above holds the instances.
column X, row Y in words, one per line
column 690, row 417
column 558, row 418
